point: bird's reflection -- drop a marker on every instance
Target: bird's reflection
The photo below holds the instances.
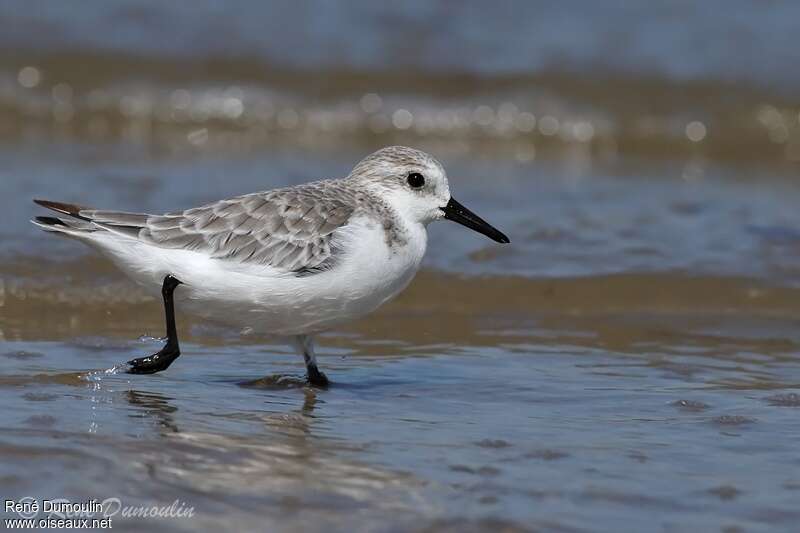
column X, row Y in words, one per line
column 309, row 402
column 155, row 406
column 267, row 437
column 296, row 422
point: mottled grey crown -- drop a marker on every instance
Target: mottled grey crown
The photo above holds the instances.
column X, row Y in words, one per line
column 394, row 157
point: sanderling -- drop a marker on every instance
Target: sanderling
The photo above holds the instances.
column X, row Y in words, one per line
column 289, row 262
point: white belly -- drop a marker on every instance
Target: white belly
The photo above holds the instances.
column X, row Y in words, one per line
column 369, row 273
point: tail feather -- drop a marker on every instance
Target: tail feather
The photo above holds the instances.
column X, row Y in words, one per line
column 115, row 218
column 64, row 208
column 49, row 221
column 70, row 226
column 85, row 219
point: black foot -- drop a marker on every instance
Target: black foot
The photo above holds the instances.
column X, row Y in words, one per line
column 163, row 358
column 153, row 363
column 317, row 378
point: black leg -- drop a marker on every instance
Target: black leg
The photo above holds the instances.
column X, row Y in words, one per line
column 304, row 344
column 165, row 356
column 315, row 377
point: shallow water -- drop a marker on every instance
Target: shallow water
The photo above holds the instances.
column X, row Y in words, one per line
column 628, row 363
column 633, row 354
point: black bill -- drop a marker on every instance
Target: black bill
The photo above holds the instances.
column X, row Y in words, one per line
column 458, row 213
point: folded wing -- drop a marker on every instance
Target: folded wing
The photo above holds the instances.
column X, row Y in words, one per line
column 288, row 229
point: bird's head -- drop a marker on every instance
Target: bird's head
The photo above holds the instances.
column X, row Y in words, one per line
column 415, row 184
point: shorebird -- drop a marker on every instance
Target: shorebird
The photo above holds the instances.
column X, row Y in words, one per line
column 288, row 262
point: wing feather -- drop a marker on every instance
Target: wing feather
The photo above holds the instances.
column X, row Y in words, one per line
column 288, row 229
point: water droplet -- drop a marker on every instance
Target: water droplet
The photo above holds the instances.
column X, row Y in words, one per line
column 696, row 131
column 483, row 115
column 525, row 122
column 548, row 125
column 29, row 77
column 371, row 103
column 232, row 107
column 402, row 119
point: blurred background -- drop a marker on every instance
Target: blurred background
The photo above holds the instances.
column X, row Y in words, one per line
column 157, row 107
column 631, row 355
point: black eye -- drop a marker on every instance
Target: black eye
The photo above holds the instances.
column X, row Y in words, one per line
column 416, row 180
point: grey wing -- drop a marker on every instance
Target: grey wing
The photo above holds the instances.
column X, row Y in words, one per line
column 288, row 229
